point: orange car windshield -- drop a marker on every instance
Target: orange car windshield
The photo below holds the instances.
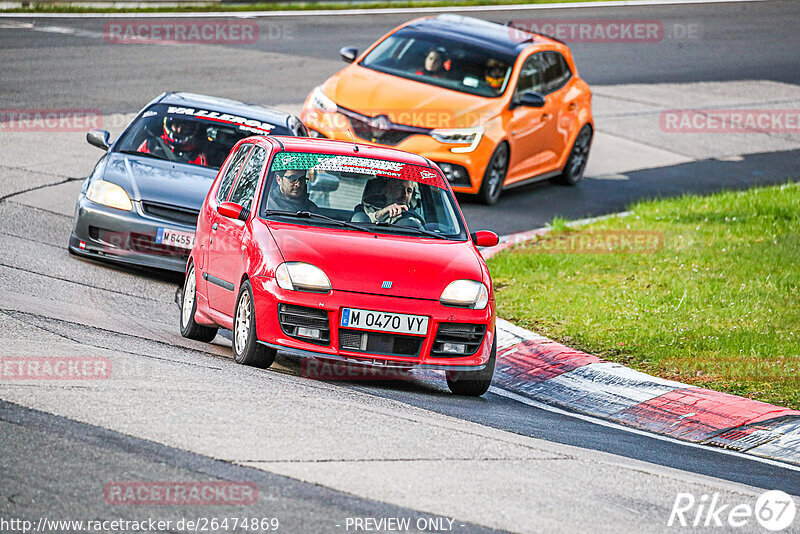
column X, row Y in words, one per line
column 448, row 63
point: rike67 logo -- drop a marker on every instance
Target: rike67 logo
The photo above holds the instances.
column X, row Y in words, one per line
column 773, row 510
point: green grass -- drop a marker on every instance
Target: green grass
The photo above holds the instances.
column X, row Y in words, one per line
column 66, row 7
column 718, row 305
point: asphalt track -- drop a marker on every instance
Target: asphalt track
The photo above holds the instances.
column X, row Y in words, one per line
column 176, row 406
column 67, row 63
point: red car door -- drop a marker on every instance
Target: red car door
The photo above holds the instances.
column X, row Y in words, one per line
column 226, row 252
column 217, row 287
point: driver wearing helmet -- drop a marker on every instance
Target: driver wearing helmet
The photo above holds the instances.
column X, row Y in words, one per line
column 495, row 74
column 179, row 137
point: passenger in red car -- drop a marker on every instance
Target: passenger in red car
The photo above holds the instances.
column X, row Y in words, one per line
column 180, row 138
column 291, row 193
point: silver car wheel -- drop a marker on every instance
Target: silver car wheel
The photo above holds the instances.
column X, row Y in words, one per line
column 189, row 289
column 242, row 326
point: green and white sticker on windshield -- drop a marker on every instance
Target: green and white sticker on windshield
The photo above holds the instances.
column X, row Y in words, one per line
column 357, row 165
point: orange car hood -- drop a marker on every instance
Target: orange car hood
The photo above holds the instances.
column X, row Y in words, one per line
column 406, row 101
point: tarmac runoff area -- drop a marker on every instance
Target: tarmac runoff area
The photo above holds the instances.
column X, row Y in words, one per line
column 636, row 128
column 629, row 139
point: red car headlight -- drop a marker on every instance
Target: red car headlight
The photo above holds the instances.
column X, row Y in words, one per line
column 299, row 276
column 465, row 294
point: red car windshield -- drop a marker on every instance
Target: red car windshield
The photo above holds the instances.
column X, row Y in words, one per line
column 379, row 195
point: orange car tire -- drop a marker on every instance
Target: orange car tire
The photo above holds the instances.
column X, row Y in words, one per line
column 576, row 163
column 495, row 176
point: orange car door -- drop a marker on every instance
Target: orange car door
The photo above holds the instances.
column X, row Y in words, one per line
column 531, row 130
column 562, row 100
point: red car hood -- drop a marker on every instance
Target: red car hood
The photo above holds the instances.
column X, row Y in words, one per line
column 361, row 262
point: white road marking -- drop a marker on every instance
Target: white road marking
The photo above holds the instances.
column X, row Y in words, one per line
column 368, row 12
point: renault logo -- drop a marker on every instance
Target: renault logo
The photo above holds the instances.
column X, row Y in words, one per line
column 381, row 122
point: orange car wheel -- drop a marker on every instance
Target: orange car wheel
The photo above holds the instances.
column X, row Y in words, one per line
column 494, row 176
column 576, row 164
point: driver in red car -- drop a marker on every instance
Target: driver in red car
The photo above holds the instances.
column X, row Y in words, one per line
column 180, row 138
column 397, row 198
column 290, row 192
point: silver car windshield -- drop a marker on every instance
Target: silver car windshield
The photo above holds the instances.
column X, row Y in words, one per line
column 190, row 135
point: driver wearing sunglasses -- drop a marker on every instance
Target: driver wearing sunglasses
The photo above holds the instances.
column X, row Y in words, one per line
column 290, row 192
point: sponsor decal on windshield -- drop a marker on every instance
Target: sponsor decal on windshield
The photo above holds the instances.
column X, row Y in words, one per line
column 357, row 165
column 244, row 124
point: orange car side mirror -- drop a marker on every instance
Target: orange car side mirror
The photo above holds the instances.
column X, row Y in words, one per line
column 348, row 53
column 532, row 99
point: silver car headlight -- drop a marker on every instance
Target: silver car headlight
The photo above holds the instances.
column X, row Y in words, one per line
column 299, row 276
column 322, row 102
column 465, row 294
column 461, row 136
column 109, row 194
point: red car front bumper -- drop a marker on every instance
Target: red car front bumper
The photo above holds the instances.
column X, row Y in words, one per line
column 268, row 296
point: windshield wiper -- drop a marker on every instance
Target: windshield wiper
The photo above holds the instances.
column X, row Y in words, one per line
column 414, row 229
column 145, row 154
column 310, row 215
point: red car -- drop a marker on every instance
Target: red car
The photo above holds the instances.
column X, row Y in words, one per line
column 341, row 251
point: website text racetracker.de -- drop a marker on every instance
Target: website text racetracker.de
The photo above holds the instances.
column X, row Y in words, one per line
column 201, row 524
column 206, row 31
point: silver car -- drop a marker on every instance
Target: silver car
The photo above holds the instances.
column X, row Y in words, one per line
column 140, row 204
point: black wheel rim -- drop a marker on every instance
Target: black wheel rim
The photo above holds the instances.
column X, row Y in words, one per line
column 580, row 153
column 497, row 171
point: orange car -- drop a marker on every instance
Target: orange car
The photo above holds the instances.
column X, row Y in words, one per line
column 493, row 106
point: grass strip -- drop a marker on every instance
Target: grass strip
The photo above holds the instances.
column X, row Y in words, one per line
column 700, row 289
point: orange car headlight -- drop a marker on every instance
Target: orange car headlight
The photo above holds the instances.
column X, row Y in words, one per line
column 321, row 102
column 461, row 136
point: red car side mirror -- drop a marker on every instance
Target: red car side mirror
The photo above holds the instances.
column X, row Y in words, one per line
column 485, row 238
column 233, row 211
